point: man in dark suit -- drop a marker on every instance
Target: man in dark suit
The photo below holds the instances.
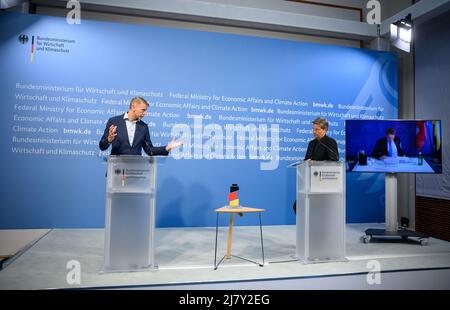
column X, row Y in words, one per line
column 128, row 134
column 322, row 147
column 389, row 146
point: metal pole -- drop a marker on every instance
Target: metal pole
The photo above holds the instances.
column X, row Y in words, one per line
column 217, row 232
column 262, row 243
column 391, row 202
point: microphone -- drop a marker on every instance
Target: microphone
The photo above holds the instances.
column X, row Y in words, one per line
column 328, row 148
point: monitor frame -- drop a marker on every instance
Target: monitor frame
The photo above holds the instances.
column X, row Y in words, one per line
column 348, row 170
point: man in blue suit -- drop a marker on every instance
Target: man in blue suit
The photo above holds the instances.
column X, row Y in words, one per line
column 128, row 134
column 389, row 146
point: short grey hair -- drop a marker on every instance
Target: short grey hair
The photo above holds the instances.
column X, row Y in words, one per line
column 322, row 122
column 138, row 100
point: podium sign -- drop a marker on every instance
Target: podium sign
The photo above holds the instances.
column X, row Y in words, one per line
column 326, row 179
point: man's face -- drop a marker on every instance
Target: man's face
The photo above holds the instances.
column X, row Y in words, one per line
column 390, row 137
column 318, row 132
column 138, row 110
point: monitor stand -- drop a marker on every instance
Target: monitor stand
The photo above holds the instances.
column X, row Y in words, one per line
column 391, row 229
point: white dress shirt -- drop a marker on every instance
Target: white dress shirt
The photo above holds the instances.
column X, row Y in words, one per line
column 131, row 128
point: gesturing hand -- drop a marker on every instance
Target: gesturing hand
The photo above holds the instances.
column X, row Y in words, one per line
column 173, row 145
column 112, row 133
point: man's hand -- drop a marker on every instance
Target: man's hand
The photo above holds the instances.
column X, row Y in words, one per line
column 173, row 145
column 112, row 133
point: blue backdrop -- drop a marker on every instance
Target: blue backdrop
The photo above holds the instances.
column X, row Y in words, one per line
column 60, row 83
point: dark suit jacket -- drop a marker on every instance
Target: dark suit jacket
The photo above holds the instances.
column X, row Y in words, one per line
column 326, row 149
column 121, row 144
column 381, row 148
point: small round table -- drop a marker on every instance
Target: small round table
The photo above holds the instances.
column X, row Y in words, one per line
column 232, row 211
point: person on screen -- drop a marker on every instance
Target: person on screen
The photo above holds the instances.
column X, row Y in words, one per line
column 389, row 146
column 322, row 147
column 128, row 134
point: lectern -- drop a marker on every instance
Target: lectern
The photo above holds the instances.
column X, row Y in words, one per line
column 320, row 222
column 130, row 214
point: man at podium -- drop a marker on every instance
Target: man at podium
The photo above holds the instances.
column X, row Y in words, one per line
column 322, row 147
column 128, row 134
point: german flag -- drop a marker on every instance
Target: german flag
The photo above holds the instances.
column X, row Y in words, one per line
column 421, row 135
column 32, row 50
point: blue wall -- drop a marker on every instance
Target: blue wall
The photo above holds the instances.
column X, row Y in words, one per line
column 55, row 176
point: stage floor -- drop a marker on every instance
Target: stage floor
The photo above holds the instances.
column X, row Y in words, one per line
column 186, row 256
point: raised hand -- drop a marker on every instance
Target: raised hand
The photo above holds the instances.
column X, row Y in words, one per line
column 112, row 133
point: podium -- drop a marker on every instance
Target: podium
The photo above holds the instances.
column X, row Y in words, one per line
column 130, row 214
column 320, row 222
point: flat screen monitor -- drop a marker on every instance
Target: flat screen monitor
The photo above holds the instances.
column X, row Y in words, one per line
column 395, row 146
